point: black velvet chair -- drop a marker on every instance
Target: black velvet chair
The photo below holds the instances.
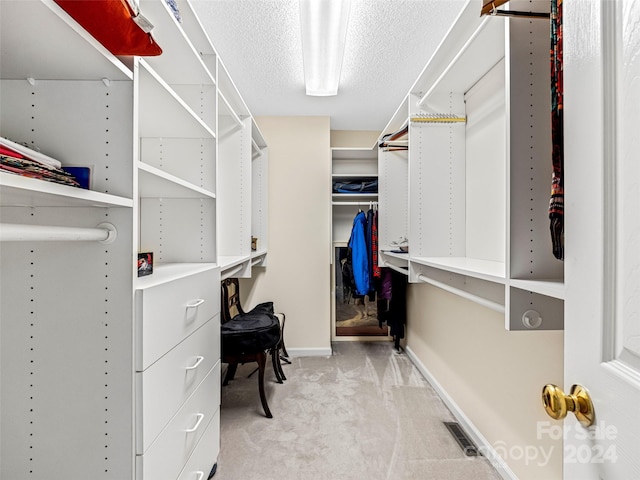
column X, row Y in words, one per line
column 250, row 337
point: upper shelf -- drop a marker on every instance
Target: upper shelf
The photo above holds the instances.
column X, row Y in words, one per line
column 472, row 267
column 230, row 92
column 16, row 190
column 482, row 50
column 163, row 113
column 155, row 183
column 179, row 63
column 30, row 51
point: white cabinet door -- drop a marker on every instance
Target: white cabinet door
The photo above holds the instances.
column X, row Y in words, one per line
column 602, row 306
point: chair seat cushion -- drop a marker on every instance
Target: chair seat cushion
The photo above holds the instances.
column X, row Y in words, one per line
column 249, row 333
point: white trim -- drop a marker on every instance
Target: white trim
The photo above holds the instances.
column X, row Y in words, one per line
column 479, row 439
column 310, row 352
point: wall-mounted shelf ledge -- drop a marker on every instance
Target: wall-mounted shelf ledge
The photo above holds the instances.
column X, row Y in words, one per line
column 234, row 265
column 402, row 256
column 154, row 183
column 259, row 253
column 171, row 271
column 548, row 287
column 472, row 267
column 17, row 190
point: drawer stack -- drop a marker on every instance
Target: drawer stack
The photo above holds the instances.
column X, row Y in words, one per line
column 177, row 357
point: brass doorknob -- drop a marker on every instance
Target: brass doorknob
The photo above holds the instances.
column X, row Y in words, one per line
column 557, row 403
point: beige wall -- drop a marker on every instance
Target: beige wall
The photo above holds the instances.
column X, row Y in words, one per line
column 297, row 274
column 354, row 138
column 493, row 375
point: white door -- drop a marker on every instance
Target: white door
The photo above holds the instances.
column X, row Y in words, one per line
column 602, row 232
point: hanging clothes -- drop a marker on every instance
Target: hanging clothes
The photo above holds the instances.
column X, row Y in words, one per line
column 384, row 295
column 369, row 238
column 556, row 203
column 397, row 315
column 374, row 246
column 358, row 254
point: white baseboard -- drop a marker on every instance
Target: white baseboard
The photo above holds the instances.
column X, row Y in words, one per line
column 310, row 352
column 488, row 451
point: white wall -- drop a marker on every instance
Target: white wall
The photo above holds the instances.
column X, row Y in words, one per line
column 297, row 275
column 494, row 376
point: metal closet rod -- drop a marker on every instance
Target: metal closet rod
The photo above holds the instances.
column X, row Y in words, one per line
column 15, row 232
column 231, row 272
column 257, row 261
column 464, row 294
column 404, row 271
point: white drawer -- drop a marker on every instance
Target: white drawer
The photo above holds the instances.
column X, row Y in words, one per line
column 206, row 453
column 169, row 311
column 168, row 383
column 167, row 456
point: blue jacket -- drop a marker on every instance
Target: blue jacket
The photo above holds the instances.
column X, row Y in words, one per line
column 359, row 257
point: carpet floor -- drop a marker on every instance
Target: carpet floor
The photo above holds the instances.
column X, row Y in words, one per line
column 365, row 413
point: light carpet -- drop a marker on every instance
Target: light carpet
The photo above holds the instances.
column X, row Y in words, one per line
column 365, row 413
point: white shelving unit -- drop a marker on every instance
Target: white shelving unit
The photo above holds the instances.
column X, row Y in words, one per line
column 122, row 370
column 259, row 196
column 393, row 214
column 478, row 180
column 351, row 164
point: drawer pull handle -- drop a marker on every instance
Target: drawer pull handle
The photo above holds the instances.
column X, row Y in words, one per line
column 197, row 303
column 200, row 475
column 198, row 422
column 199, row 360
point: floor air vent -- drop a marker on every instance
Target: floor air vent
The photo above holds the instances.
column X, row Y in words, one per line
column 468, row 447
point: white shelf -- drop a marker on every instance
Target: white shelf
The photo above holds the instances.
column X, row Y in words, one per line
column 348, row 176
column 230, row 91
column 483, row 49
column 180, row 63
column 30, row 51
column 401, row 256
column 228, row 261
column 259, row 253
column 171, row 271
column 354, row 196
column 549, row 288
column 229, row 120
column 472, row 267
column 163, row 113
column 154, row 183
column 16, row 190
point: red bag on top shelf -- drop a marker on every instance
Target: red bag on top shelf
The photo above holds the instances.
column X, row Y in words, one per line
column 114, row 24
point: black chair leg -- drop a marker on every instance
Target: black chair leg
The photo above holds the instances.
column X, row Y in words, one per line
column 279, row 364
column 274, row 362
column 231, row 373
column 262, row 362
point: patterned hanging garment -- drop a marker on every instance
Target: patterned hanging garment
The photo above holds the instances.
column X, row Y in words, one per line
column 374, row 245
column 556, row 203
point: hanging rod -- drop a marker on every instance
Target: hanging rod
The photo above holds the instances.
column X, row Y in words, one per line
column 513, row 13
column 438, row 118
column 461, row 293
column 231, row 272
column 490, row 8
column 404, row 271
column 355, row 204
column 257, row 261
column 13, row 232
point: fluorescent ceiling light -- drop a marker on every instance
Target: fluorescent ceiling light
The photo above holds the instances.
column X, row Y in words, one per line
column 324, row 30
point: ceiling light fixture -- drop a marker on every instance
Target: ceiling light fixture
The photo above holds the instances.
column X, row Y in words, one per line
column 324, row 31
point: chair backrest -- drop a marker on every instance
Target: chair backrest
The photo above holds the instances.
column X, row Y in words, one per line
column 230, row 302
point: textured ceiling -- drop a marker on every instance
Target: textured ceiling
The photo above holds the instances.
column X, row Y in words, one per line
column 388, row 44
